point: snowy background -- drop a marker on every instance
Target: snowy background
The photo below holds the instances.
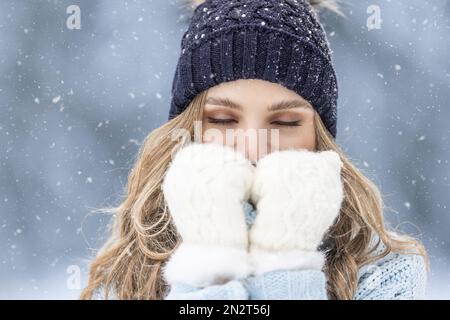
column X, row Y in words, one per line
column 75, row 105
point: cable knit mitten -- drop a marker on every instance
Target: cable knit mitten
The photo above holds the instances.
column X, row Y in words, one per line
column 298, row 195
column 205, row 188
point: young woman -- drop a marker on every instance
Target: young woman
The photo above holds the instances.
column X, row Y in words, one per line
column 280, row 214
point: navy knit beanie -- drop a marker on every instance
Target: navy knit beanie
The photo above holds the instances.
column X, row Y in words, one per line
column 280, row 41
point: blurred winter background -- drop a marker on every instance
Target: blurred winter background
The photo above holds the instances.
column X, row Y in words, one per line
column 76, row 103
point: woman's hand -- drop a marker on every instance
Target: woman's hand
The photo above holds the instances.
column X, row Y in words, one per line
column 205, row 187
column 298, row 195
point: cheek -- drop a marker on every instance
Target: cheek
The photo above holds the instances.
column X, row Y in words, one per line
column 212, row 134
column 215, row 133
column 298, row 139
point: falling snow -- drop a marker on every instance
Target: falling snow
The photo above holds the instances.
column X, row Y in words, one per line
column 76, row 106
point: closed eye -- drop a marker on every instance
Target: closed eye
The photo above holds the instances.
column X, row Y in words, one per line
column 287, row 123
column 221, row 121
column 231, row 121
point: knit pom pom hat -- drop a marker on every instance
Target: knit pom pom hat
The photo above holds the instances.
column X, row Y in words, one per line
column 280, row 41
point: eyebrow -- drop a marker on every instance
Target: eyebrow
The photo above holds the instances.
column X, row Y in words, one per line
column 277, row 106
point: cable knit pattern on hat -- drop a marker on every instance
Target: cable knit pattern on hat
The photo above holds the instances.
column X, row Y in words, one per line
column 278, row 41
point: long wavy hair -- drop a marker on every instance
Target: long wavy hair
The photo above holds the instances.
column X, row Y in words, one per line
column 130, row 263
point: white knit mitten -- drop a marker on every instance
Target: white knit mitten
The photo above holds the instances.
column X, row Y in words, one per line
column 298, row 195
column 205, row 188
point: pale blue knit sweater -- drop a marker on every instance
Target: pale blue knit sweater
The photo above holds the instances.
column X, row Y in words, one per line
column 396, row 276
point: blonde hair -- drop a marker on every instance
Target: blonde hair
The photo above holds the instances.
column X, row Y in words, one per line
column 130, row 263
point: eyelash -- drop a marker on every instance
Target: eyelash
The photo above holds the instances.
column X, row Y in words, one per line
column 288, row 123
column 221, row 122
column 224, row 122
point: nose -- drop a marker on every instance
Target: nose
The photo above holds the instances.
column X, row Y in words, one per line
column 254, row 145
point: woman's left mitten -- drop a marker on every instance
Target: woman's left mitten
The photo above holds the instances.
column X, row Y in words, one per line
column 298, row 194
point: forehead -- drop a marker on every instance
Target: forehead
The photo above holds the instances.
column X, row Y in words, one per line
column 255, row 96
column 255, row 90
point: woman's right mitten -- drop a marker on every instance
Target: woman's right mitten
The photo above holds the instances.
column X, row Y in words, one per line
column 205, row 188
